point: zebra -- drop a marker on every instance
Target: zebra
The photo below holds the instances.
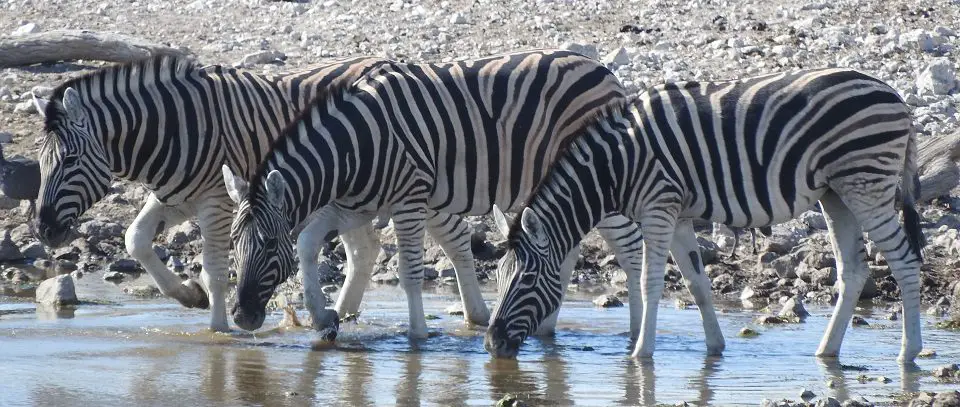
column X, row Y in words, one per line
column 170, row 123
column 426, row 144
column 748, row 153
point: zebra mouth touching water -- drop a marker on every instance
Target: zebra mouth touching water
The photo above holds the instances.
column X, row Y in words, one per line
column 52, row 233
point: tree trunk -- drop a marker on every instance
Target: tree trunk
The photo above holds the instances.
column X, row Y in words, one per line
column 70, row 45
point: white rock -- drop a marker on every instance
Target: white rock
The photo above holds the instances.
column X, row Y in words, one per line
column 26, row 107
column 939, row 78
column 814, row 219
column 617, row 57
column 783, row 50
column 57, row 291
column 5, row 94
column 918, row 39
column 458, row 18
column 25, row 29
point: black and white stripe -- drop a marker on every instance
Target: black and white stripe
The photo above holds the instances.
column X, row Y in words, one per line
column 427, row 144
column 745, row 153
column 169, row 124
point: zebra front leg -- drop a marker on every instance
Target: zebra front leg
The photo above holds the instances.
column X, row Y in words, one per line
column 362, row 246
column 153, row 218
column 453, row 235
column 686, row 253
column 624, row 236
column 409, row 225
column 658, row 233
column 215, row 217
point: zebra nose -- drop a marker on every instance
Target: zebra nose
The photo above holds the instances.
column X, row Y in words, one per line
column 48, row 231
column 247, row 318
column 497, row 343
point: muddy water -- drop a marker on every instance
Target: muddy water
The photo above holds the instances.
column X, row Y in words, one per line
column 153, row 352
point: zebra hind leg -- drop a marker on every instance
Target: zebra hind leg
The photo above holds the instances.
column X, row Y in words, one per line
column 686, row 253
column 153, row 218
column 852, row 271
column 453, row 235
column 624, row 236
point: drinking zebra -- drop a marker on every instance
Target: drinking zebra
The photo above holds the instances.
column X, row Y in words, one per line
column 747, row 153
column 426, row 144
column 170, row 124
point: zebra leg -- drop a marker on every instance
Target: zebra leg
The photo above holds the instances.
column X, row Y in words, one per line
column 686, row 253
column 153, row 218
column 361, row 245
column 624, row 236
column 881, row 223
column 453, row 235
column 215, row 217
column 658, row 233
column 409, row 225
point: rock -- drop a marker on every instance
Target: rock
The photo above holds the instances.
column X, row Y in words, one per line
column 870, row 290
column 329, row 289
column 723, row 236
column 806, row 394
column 748, row 333
column 859, row 321
column 125, row 266
column 143, row 291
column 708, row 251
column 57, row 291
column 6, row 137
column 814, row 219
column 455, row 309
column 261, row 57
column 607, row 301
column 100, row 229
column 826, row 277
column 510, row 400
column 793, row 310
column 857, row 403
column 28, row 28
column 922, row 399
column 927, row 354
column 770, row 320
column 828, row 402
column 183, row 233
column 458, row 18
column 587, row 50
column 786, row 266
column 386, row 277
column 918, row 39
column 747, row 293
column 946, row 371
column 946, row 399
column 617, row 57
column 939, row 78
column 26, row 107
column 42, row 91
column 9, row 250
column 430, row 273
column 34, row 250
column 113, row 276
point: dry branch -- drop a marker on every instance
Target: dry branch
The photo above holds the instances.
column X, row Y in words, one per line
column 70, row 45
column 938, row 159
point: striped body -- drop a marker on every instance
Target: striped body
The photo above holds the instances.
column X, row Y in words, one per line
column 425, row 143
column 170, row 124
column 746, row 153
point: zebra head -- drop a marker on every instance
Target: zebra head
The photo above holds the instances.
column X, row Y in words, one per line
column 263, row 249
column 527, row 278
column 74, row 173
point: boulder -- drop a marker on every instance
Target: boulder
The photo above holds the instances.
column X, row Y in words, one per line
column 57, row 291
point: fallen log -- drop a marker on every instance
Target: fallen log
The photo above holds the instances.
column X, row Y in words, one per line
column 938, row 159
column 71, row 45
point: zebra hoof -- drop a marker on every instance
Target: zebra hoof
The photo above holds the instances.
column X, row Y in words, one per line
column 195, row 296
column 326, row 322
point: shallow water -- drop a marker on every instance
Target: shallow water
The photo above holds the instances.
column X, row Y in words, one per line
column 154, row 352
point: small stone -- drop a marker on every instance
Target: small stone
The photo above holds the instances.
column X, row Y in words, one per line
column 387, row 277
column 26, row 107
column 57, row 291
column 6, row 137
column 113, row 276
column 607, row 301
column 125, row 266
column 806, row 394
column 458, row 18
column 927, row 354
column 814, row 219
column 455, row 309
column 261, row 57
column 511, row 400
column 859, row 321
column 143, row 291
column 793, row 310
column 617, row 57
column 946, row 371
column 748, row 293
column 329, row 289
column 939, row 78
column 748, row 333
column 769, row 320
column 883, row 379
column 28, row 28
column 829, row 401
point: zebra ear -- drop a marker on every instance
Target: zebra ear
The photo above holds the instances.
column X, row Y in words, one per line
column 41, row 105
column 500, row 218
column 276, row 189
column 236, row 187
column 72, row 103
column 533, row 226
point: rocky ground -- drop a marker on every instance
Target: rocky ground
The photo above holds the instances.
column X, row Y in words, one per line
column 909, row 43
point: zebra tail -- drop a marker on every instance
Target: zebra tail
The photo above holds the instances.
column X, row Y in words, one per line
column 910, row 190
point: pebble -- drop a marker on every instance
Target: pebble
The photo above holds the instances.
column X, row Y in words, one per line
column 748, row 333
column 455, row 309
column 859, row 321
column 113, row 276
column 806, row 394
column 57, row 291
column 607, row 301
column 125, row 266
column 927, row 354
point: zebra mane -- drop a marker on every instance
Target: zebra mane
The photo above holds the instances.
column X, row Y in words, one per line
column 338, row 89
column 598, row 117
column 148, row 69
